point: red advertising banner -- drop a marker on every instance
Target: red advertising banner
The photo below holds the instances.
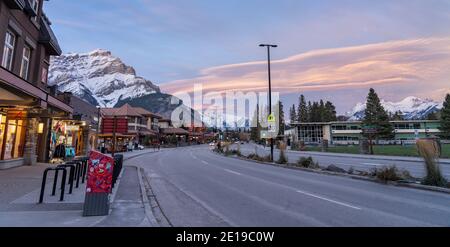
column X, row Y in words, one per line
column 100, row 173
column 120, row 124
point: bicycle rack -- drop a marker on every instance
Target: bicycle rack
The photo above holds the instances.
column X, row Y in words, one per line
column 78, row 171
column 55, row 181
column 71, row 175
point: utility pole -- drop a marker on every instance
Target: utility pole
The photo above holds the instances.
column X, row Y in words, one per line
column 270, row 90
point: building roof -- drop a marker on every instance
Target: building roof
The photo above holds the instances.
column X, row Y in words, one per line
column 48, row 38
column 144, row 112
column 124, row 111
column 129, row 111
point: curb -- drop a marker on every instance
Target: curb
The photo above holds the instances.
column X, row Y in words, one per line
column 356, row 177
column 138, row 155
column 359, row 156
column 148, row 210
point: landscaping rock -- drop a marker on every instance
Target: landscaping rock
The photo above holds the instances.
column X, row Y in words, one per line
column 333, row 168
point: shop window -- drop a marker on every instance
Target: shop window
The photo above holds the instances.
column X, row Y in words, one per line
column 2, row 132
column 14, row 139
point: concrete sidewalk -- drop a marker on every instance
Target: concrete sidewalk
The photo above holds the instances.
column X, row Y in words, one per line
column 128, row 207
column 20, row 189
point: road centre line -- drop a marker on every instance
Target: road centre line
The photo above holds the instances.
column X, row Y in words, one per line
column 328, row 200
column 233, row 172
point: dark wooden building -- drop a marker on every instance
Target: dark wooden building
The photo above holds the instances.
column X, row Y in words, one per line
column 27, row 104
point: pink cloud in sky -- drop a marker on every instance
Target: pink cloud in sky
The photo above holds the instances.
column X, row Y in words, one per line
column 423, row 64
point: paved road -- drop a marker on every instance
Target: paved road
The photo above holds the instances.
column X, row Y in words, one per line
column 416, row 168
column 195, row 187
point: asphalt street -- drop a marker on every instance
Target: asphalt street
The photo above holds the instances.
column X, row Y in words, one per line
column 196, row 187
column 416, row 168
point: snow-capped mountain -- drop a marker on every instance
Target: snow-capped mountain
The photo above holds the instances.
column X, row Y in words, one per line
column 98, row 77
column 411, row 108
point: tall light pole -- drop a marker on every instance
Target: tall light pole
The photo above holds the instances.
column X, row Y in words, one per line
column 270, row 89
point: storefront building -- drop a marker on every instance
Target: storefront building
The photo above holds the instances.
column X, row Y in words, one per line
column 27, row 106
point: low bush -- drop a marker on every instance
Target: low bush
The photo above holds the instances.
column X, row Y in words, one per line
column 307, row 163
column 390, row 173
column 259, row 158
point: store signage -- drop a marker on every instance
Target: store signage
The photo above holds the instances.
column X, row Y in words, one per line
column 120, row 125
column 100, row 173
column 72, row 128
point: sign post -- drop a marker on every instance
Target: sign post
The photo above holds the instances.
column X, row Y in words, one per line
column 99, row 184
column 370, row 131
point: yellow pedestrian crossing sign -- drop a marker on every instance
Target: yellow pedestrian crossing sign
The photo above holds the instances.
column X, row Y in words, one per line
column 271, row 118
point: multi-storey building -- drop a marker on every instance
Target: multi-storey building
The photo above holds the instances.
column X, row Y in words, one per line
column 344, row 133
column 27, row 104
column 142, row 124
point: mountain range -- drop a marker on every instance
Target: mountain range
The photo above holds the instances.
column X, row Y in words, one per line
column 412, row 108
column 98, row 77
column 104, row 80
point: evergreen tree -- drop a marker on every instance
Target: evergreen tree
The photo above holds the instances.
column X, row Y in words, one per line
column 255, row 130
column 445, row 119
column 376, row 117
column 281, row 121
column 322, row 112
column 309, row 110
column 302, row 115
column 397, row 116
column 293, row 114
column 315, row 112
column 330, row 112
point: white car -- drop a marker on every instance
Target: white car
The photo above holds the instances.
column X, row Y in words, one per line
column 212, row 144
column 140, row 147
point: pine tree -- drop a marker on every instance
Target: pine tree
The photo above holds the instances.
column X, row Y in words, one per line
column 445, row 119
column 322, row 112
column 330, row 112
column 309, row 111
column 397, row 116
column 315, row 112
column 255, row 130
column 302, row 115
column 293, row 114
column 377, row 118
column 281, row 121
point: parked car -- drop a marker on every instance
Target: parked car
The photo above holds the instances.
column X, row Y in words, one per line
column 140, row 147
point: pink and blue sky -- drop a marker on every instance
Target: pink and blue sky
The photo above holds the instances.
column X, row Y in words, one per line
column 330, row 49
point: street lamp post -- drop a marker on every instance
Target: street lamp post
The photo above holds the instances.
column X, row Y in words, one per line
column 270, row 90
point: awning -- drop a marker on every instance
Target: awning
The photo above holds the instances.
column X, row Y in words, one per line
column 147, row 133
column 117, row 136
column 175, row 131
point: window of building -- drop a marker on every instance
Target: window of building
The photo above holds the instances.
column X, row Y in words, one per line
column 35, row 6
column 25, row 66
column 13, row 139
column 2, row 132
column 44, row 75
column 8, row 50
